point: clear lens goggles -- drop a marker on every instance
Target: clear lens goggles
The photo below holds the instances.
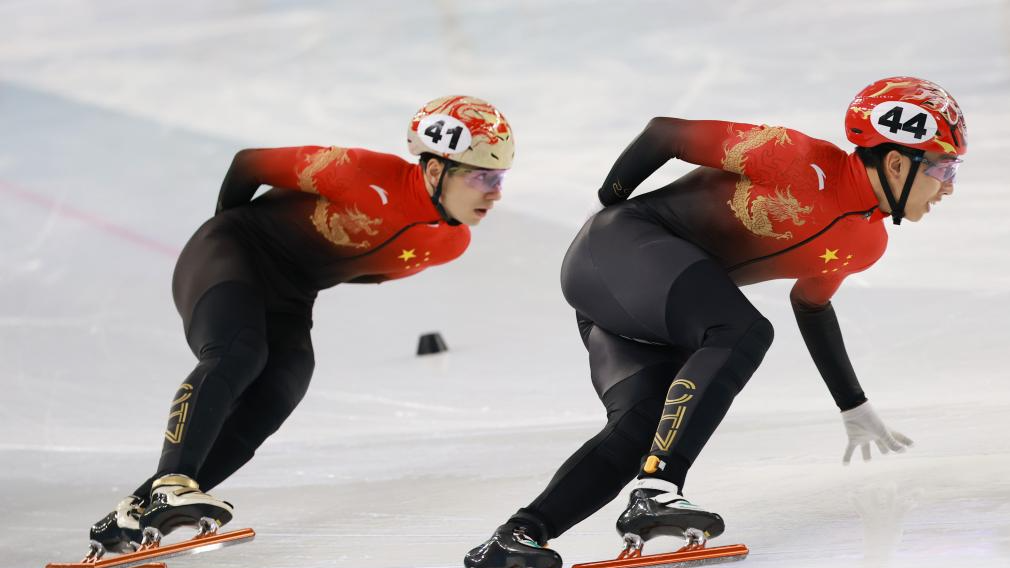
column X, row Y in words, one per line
column 944, row 169
column 484, row 180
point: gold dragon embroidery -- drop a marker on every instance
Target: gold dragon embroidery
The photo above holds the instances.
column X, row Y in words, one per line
column 316, row 163
column 757, row 215
column 338, row 227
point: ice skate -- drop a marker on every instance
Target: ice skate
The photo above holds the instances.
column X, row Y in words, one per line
column 176, row 500
column 655, row 508
column 152, row 554
column 511, row 547
column 119, row 531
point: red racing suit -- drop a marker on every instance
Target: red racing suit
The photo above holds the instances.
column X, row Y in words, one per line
column 767, row 203
column 363, row 216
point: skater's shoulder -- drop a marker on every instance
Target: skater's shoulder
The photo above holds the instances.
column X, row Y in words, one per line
column 320, row 157
column 366, row 157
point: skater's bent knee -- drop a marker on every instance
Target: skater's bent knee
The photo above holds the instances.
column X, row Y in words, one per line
column 749, row 351
column 627, row 437
column 755, row 333
column 239, row 361
column 759, row 335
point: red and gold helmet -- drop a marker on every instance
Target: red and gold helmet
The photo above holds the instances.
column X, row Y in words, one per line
column 907, row 111
column 463, row 129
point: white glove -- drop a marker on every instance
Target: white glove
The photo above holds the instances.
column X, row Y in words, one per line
column 863, row 426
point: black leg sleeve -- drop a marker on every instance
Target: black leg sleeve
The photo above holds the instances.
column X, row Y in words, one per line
column 597, row 472
column 699, row 398
column 706, row 312
column 228, row 336
column 267, row 403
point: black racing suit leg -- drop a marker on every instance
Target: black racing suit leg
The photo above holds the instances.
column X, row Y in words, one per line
column 228, row 336
column 225, row 308
column 268, row 401
column 667, row 318
column 597, row 471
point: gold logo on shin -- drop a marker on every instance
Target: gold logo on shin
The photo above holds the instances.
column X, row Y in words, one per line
column 178, row 414
column 673, row 415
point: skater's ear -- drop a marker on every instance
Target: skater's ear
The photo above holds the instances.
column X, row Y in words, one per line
column 431, row 166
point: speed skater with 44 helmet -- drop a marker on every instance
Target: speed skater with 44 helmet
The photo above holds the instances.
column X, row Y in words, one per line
column 655, row 284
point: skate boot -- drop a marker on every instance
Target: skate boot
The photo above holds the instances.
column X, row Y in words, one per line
column 176, row 501
column 119, row 531
column 655, row 508
column 511, row 547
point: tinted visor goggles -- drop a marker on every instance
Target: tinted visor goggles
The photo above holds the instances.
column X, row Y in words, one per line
column 484, row 180
column 944, row 169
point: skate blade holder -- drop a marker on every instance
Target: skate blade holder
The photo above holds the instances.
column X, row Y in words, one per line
column 150, row 556
column 695, row 553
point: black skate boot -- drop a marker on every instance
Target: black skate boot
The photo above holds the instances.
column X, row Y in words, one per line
column 119, row 531
column 512, row 547
column 176, row 501
column 655, row 508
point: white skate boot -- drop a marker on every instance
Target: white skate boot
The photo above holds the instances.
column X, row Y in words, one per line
column 656, row 508
column 176, row 500
column 119, row 531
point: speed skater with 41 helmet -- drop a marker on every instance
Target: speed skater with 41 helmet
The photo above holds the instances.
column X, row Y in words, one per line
column 246, row 281
column 655, row 284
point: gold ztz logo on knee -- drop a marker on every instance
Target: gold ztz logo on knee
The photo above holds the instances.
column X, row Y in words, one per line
column 673, row 415
column 179, row 411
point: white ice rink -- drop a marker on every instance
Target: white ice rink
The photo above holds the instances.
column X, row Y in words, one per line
column 118, row 119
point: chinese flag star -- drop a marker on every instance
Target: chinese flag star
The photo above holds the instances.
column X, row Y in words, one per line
column 829, row 255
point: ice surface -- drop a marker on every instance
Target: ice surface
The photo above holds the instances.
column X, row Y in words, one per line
column 119, row 119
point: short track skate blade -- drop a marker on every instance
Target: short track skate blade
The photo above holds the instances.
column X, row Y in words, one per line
column 686, row 556
column 145, row 556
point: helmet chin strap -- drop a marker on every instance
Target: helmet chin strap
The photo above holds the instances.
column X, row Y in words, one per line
column 898, row 205
column 436, row 198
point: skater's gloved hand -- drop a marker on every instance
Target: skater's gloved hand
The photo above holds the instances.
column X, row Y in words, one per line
column 863, row 426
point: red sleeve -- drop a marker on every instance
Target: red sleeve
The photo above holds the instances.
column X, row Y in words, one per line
column 329, row 171
column 280, row 167
column 709, row 143
column 763, row 153
column 314, row 169
column 336, row 173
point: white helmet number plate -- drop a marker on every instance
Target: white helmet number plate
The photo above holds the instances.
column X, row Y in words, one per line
column 444, row 134
column 904, row 123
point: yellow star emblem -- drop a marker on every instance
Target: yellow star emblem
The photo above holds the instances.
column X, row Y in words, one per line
column 407, row 255
column 829, row 255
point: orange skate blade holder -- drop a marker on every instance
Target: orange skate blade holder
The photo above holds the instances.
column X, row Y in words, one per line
column 143, row 558
column 690, row 555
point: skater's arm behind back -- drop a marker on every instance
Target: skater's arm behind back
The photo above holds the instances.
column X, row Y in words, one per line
column 253, row 167
column 756, row 151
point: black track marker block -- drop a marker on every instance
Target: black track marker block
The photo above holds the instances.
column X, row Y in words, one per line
column 431, row 343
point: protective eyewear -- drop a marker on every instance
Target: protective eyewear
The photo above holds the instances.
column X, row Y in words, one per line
column 944, row 169
column 484, row 180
